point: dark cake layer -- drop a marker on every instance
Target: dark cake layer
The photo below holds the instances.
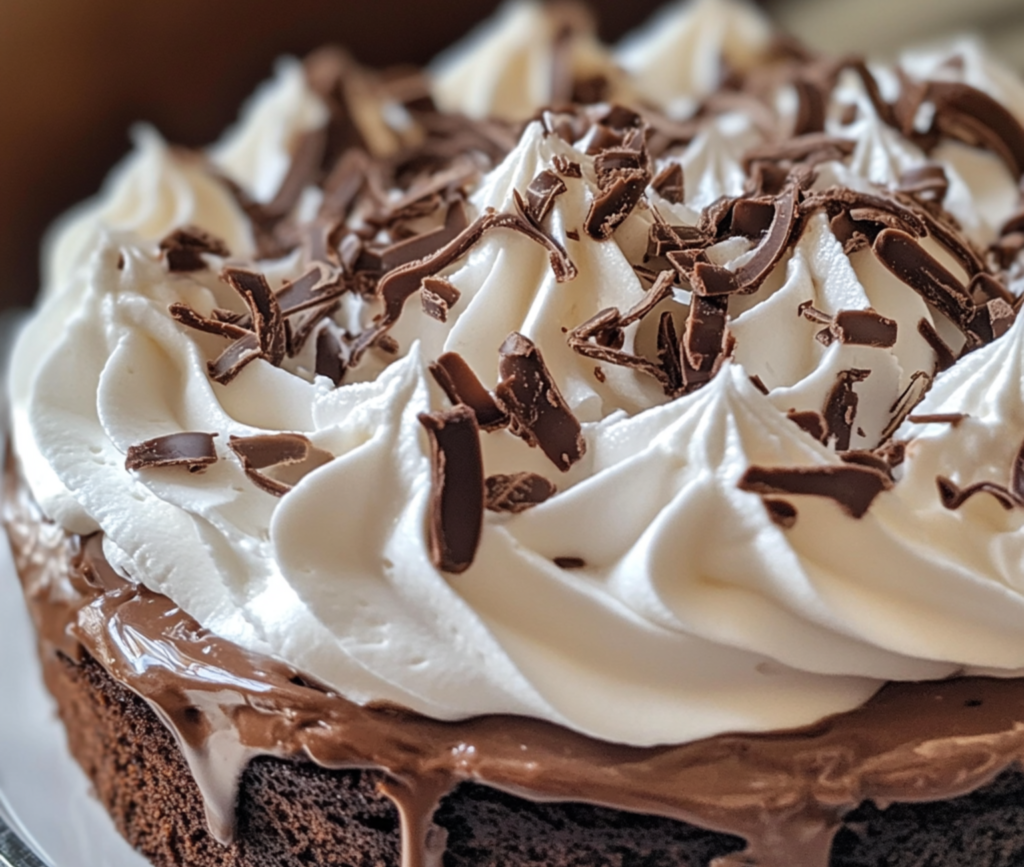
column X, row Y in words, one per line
column 297, row 814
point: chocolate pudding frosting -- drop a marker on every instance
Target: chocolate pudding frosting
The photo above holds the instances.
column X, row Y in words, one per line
column 549, row 416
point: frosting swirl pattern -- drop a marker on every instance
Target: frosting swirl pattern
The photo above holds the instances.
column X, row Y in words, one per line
column 655, row 597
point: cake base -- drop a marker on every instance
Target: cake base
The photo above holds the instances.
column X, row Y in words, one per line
column 297, row 814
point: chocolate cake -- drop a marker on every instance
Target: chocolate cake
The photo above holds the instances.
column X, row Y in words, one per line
column 556, row 456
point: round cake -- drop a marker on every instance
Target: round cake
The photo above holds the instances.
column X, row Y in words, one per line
column 560, row 455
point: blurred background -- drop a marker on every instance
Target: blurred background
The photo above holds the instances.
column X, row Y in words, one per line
column 75, row 74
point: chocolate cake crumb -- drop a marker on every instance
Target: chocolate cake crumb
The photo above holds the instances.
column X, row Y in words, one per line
column 540, row 415
column 194, row 451
column 853, row 487
column 275, row 463
column 517, row 492
column 183, row 248
column 457, row 487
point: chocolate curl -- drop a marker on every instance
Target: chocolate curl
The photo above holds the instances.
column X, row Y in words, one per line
column 457, row 487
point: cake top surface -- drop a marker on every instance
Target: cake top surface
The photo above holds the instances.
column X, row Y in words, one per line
column 657, row 391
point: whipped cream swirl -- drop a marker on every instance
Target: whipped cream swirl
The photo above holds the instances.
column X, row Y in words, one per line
column 693, row 612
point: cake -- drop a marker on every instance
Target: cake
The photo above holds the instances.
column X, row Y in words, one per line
column 561, row 455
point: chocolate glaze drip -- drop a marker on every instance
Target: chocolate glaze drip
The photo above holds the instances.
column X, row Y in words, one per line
column 784, row 792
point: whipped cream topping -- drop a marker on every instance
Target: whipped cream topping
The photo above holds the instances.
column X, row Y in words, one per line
column 691, row 610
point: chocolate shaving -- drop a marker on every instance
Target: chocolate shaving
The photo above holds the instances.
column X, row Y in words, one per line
column 232, row 360
column 752, row 217
column 972, row 116
column 316, row 287
column 569, row 562
column 811, row 148
column 669, row 354
column 812, row 104
column 268, row 322
column 928, row 183
column 841, row 407
column 705, row 340
column 1017, row 475
column 331, row 356
column 759, row 384
column 950, row 418
column 291, row 456
column 457, row 487
column 670, row 184
column 910, row 397
column 541, row 194
column 953, row 496
column 611, row 206
column 540, row 415
column 864, row 328
column 853, row 487
column 750, row 276
column 303, row 170
column 427, row 243
column 461, row 385
column 809, row 421
column 397, row 285
column 187, row 316
column 344, row 184
column 194, row 451
column 781, row 512
column 919, row 270
column 517, row 492
column 438, row 297
column 944, row 356
column 183, row 249
column 566, row 167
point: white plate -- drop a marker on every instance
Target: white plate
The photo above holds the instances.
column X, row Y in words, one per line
column 44, row 795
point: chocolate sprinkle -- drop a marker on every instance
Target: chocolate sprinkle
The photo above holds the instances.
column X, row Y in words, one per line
column 183, row 249
column 853, row 487
column 517, row 492
column 291, row 454
column 461, row 385
column 569, row 562
column 457, row 487
column 540, row 415
column 194, row 451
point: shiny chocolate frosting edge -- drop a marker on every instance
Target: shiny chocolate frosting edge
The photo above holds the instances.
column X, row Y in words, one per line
column 785, row 792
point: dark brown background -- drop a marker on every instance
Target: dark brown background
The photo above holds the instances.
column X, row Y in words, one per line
column 75, row 74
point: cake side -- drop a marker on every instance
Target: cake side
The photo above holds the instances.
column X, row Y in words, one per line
column 771, row 790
